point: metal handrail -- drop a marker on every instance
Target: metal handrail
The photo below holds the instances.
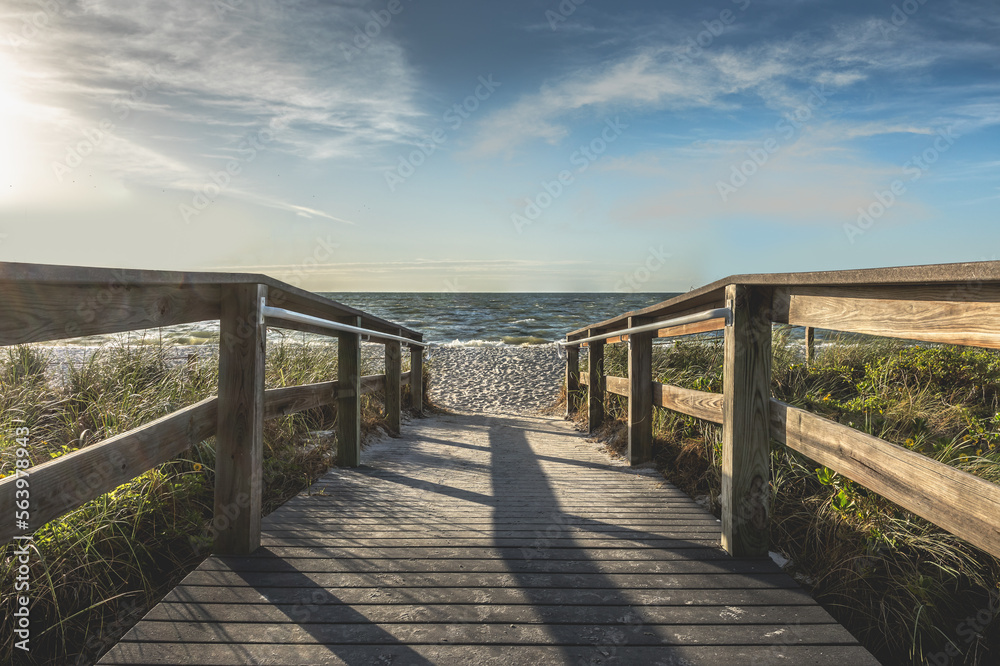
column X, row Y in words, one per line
column 717, row 313
column 280, row 313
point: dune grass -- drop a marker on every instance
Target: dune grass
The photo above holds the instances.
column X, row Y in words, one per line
column 96, row 570
column 911, row 592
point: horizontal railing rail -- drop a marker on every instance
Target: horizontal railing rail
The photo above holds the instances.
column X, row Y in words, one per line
column 44, row 303
column 952, row 303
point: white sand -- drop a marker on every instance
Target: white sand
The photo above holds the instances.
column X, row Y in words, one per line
column 490, row 379
column 495, row 380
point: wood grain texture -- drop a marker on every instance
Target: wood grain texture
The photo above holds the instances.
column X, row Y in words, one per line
column 572, row 380
column 617, row 385
column 746, row 422
column 68, row 482
column 349, row 404
column 239, row 443
column 126, row 299
column 287, row 400
column 640, row 396
column 699, row 404
column 692, row 329
column 595, row 386
column 960, row 278
column 963, row 504
column 477, row 540
column 392, row 388
column 950, row 314
column 417, row 380
column 38, row 312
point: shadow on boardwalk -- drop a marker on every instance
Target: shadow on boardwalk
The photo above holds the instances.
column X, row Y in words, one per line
column 488, row 540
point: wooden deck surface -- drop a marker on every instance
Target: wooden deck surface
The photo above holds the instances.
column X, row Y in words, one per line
column 488, row 540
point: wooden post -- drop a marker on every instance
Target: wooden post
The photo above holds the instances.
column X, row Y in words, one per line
column 640, row 397
column 417, row 379
column 572, row 378
column 595, row 383
column 239, row 446
column 810, row 345
column 349, row 397
column 393, row 388
column 746, row 422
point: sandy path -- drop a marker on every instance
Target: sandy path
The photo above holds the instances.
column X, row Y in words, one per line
column 495, row 380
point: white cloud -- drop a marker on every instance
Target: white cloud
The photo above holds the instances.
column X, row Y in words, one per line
column 198, row 78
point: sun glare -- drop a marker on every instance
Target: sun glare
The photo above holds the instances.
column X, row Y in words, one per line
column 16, row 132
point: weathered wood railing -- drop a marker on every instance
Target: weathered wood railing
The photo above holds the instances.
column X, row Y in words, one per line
column 951, row 303
column 42, row 303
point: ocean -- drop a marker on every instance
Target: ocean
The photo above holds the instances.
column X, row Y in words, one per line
column 460, row 319
column 496, row 318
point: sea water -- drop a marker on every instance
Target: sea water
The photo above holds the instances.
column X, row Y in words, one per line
column 460, row 319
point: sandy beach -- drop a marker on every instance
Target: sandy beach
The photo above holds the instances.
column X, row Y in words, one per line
column 478, row 379
column 495, row 379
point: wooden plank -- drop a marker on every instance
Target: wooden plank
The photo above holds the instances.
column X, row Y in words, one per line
column 36, row 312
column 692, row 329
column 393, row 389
column 514, row 563
column 617, row 385
column 746, row 423
column 595, row 386
column 597, row 651
column 497, row 613
column 239, row 443
column 417, row 379
column 640, row 396
column 128, row 299
column 565, row 597
column 349, row 406
column 482, row 633
column 572, row 379
column 699, row 404
column 63, row 484
column 959, row 502
column 372, row 384
column 533, row 580
column 928, row 313
column 963, row 278
column 492, row 524
column 810, row 343
column 291, row 399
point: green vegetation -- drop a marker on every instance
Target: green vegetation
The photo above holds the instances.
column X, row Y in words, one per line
column 96, row 570
column 904, row 587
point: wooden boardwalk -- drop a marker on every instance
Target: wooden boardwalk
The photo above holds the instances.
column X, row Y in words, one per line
column 488, row 540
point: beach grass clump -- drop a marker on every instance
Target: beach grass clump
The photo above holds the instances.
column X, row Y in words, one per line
column 911, row 592
column 96, row 570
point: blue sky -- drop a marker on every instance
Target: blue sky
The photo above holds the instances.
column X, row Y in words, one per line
column 488, row 146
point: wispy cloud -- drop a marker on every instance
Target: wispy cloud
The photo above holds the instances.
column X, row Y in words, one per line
column 195, row 77
column 777, row 73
